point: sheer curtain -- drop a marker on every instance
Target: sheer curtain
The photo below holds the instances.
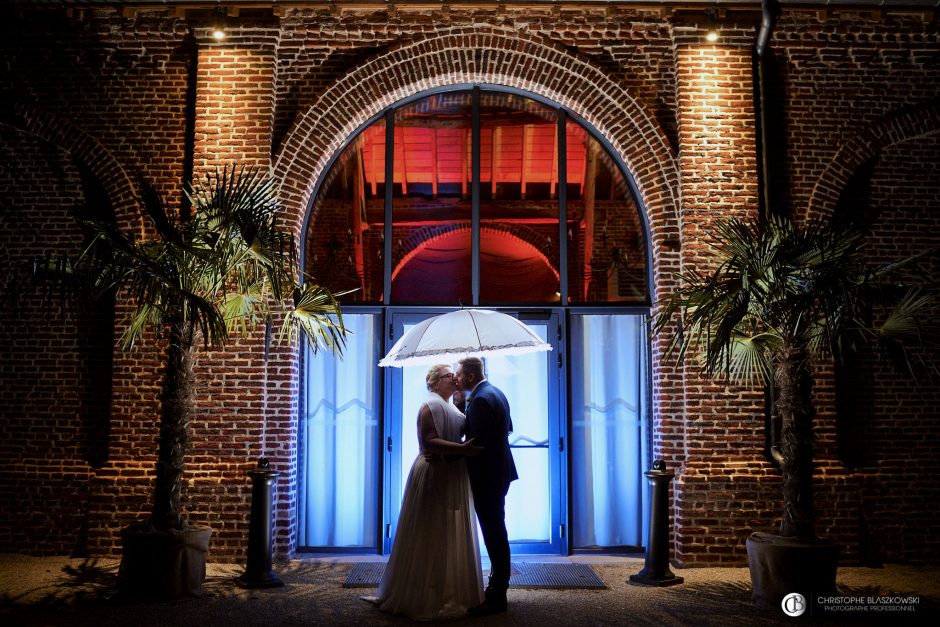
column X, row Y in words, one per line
column 339, row 491
column 608, row 433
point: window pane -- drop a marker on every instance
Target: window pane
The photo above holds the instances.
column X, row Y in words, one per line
column 606, row 240
column 431, row 241
column 346, row 241
column 339, row 430
column 607, row 450
column 518, row 200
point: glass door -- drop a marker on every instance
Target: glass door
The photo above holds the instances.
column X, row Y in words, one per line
column 535, row 505
column 406, row 393
column 339, row 436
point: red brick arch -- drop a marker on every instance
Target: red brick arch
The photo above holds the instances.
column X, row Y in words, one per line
column 894, row 129
column 490, row 57
column 87, row 150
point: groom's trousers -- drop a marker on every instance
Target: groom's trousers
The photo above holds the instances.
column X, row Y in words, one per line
column 491, row 511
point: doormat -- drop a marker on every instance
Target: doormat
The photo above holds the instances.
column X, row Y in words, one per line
column 552, row 575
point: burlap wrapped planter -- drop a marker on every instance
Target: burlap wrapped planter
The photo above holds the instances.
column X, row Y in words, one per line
column 162, row 565
column 781, row 565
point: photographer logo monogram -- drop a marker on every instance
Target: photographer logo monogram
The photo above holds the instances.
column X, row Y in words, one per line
column 794, row 604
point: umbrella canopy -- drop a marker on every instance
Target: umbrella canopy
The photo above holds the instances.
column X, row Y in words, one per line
column 463, row 333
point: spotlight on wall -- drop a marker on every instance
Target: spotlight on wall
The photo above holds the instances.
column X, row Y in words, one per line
column 218, row 24
column 711, row 25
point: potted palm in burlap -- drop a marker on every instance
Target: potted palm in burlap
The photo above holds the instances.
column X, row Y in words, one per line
column 220, row 265
column 779, row 298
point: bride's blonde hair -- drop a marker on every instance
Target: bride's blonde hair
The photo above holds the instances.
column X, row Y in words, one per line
column 434, row 375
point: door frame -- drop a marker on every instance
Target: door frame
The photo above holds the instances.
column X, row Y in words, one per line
column 391, row 485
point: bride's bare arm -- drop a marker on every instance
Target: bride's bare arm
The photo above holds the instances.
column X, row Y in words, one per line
column 431, row 442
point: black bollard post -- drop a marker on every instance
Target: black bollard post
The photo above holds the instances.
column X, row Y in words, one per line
column 656, row 572
column 258, row 572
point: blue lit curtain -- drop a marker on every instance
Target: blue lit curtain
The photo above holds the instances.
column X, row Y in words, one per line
column 607, row 437
column 338, row 489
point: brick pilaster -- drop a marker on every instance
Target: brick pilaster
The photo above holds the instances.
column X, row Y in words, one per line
column 234, row 104
column 718, row 164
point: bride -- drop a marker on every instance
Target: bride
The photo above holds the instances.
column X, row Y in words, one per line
column 434, row 569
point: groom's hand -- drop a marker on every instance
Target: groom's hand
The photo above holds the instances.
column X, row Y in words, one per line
column 470, row 449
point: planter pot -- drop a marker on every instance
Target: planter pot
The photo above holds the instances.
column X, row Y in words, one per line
column 163, row 565
column 781, row 565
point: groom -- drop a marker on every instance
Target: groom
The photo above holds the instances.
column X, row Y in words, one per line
column 489, row 423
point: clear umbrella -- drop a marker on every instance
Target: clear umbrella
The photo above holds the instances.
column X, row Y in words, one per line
column 463, row 333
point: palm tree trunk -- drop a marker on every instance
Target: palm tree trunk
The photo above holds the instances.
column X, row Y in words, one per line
column 176, row 401
column 795, row 408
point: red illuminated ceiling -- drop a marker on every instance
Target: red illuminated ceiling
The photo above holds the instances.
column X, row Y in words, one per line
column 521, row 153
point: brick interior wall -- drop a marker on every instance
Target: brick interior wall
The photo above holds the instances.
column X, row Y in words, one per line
column 124, row 81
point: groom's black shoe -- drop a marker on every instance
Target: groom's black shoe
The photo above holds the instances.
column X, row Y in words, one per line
column 495, row 603
column 488, row 607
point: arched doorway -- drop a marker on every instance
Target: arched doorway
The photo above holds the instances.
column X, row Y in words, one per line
column 486, row 197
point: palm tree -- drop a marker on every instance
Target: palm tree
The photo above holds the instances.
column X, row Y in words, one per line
column 778, row 298
column 223, row 267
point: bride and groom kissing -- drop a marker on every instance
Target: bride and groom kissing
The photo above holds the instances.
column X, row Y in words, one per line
column 464, row 465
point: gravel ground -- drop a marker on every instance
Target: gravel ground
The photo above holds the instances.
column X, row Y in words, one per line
column 62, row 591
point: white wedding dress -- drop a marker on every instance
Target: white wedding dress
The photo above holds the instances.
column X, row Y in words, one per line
column 434, row 569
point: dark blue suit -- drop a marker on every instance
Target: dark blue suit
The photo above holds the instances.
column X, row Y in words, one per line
column 491, row 472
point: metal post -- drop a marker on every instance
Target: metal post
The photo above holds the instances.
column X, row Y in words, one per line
column 656, row 572
column 258, row 572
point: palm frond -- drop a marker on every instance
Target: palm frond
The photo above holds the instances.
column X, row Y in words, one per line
column 218, row 272
column 882, row 271
column 154, row 207
column 244, row 307
column 750, row 358
column 144, row 317
column 908, row 320
column 317, row 318
column 806, row 287
column 56, row 278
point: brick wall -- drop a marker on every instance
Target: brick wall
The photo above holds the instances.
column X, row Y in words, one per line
column 286, row 90
column 54, row 379
column 718, row 166
column 875, row 470
column 860, row 125
column 109, row 95
column 836, row 79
